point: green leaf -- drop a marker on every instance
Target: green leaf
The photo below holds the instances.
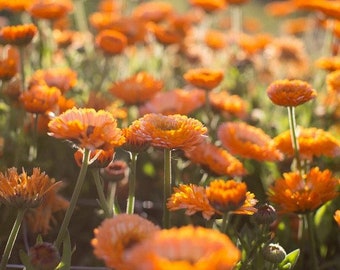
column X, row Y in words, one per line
column 290, row 260
column 67, row 253
column 25, row 260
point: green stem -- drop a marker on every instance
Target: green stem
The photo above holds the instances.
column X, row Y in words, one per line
column 74, row 199
column 132, row 184
column 114, row 207
column 236, row 18
column 224, row 225
column 22, row 67
column 100, row 191
column 11, row 240
column 80, row 16
column 33, row 151
column 310, row 225
column 167, row 187
column 293, row 134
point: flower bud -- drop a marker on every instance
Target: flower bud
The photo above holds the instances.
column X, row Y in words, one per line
column 116, row 171
column 274, row 253
column 44, row 256
column 266, row 214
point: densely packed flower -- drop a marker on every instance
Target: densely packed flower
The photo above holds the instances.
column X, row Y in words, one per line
column 204, row 78
column 18, row 35
column 50, row 9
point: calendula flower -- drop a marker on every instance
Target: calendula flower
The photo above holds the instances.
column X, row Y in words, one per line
column 328, row 8
column 111, row 42
column 337, row 217
column 15, row 5
column 109, row 6
column 166, row 34
column 24, row 191
column 8, row 69
column 134, row 143
column 247, row 141
column 63, row 38
column 215, row 39
column 39, row 219
column 18, row 35
column 63, row 78
column 116, row 171
column 102, row 158
column 154, row 11
column 136, row 89
column 177, row 101
column 185, row 248
column 296, row 26
column 226, row 196
column 209, row 5
column 215, row 160
column 204, row 78
column 87, row 128
column 171, row 131
column 50, row 9
column 280, row 8
column 296, row 193
column 117, row 235
column 40, row 98
column 290, row 93
column 313, row 142
column 333, row 81
column 328, row 63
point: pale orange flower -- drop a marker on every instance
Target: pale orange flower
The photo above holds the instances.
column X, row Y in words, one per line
column 290, row 93
column 237, row 2
column 154, row 11
column 185, row 248
column 87, row 128
column 102, row 20
column 177, row 101
column 328, row 8
column 135, row 143
column 50, row 9
column 248, row 141
column 328, row 63
column 209, row 5
column 65, row 104
column 15, row 5
column 280, row 8
column 333, row 81
column 296, row 26
column 24, row 191
column 166, row 34
column 204, row 78
column 337, row 217
column 8, row 69
column 109, row 6
column 117, row 235
column 296, row 193
column 313, row 142
column 40, row 98
column 215, row 39
column 137, row 89
column 64, row 38
column 18, row 35
column 171, row 131
column 111, row 42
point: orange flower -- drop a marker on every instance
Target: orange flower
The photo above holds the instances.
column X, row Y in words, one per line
column 87, row 128
column 111, row 42
column 329, row 8
column 102, row 20
column 102, row 158
column 154, row 11
column 193, row 199
column 209, row 5
column 109, row 6
column 228, row 104
column 117, row 235
column 62, row 78
column 333, row 81
column 116, row 171
column 23, row 191
column 50, row 9
column 171, row 131
column 280, row 8
column 8, row 69
column 40, row 98
column 204, row 78
column 65, row 104
column 166, row 34
column 64, row 38
column 290, row 93
column 39, row 219
column 296, row 193
column 215, row 39
column 226, row 196
column 247, row 141
column 337, row 217
column 328, row 63
column 134, row 143
column 18, row 35
column 185, row 248
column 177, row 101
column 136, row 89
column 215, row 160
column 296, row 26
column 313, row 142
column 236, row 2
column 15, row 5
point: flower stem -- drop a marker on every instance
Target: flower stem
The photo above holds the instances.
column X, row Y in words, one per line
column 310, row 225
column 224, row 225
column 22, row 67
column 132, row 184
column 167, row 187
column 114, row 207
column 11, row 240
column 236, row 18
column 74, row 199
column 293, row 134
column 100, row 191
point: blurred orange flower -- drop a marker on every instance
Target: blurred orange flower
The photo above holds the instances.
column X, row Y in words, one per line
column 87, row 128
column 137, row 89
column 333, row 81
column 296, row 26
column 248, row 141
column 171, row 131
column 209, row 5
column 204, row 78
column 8, row 69
column 15, row 5
column 18, row 35
column 50, row 9
column 111, row 42
column 280, row 8
column 328, row 8
column 337, row 217
column 296, row 193
column 237, row 2
column 290, row 93
column 185, row 248
column 166, row 34
column 328, row 63
column 109, row 6
column 313, row 142
column 154, row 11
column 117, row 235
column 215, row 39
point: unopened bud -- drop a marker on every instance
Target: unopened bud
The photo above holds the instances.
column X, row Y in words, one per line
column 116, row 171
column 44, row 256
column 274, row 253
column 266, row 214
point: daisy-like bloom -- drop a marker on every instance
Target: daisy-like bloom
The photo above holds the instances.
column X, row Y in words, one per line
column 171, row 131
column 228, row 104
column 177, row 101
column 50, row 9
column 209, row 5
column 102, row 158
column 185, row 248
column 8, row 69
column 215, row 39
column 296, row 193
column 15, row 5
column 63, row 78
column 136, row 89
column 40, row 98
column 18, row 35
column 290, row 93
column 63, row 38
column 329, row 8
column 40, row 219
column 247, row 141
column 204, row 78
column 333, row 81
column 134, row 143
column 215, row 160
column 313, row 142
column 328, row 63
column 226, row 196
column 337, row 217
column 111, row 42
column 24, row 191
column 117, row 235
column 109, row 6
column 166, row 34
column 154, row 11
column 296, row 26
column 87, row 128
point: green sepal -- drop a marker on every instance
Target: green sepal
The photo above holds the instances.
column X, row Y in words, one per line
column 290, row 260
column 25, row 260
